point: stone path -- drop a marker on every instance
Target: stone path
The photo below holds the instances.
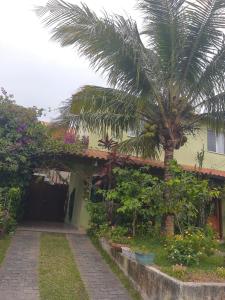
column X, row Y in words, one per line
column 18, row 274
column 51, row 227
column 99, row 280
column 19, row 271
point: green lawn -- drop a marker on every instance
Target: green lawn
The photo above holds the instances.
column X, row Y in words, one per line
column 4, row 245
column 205, row 271
column 124, row 280
column 59, row 278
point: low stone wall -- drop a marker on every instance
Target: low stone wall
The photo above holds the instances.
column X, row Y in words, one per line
column 155, row 285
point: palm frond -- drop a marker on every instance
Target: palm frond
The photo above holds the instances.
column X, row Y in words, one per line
column 165, row 28
column 111, row 43
column 215, row 111
column 204, row 36
column 212, row 78
column 100, row 109
column 141, row 145
column 163, row 86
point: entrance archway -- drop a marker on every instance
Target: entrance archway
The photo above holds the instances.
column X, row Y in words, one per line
column 46, row 202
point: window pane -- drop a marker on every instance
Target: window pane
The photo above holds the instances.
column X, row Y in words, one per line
column 131, row 133
column 220, row 143
column 211, row 140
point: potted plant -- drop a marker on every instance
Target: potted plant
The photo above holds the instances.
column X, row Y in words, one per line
column 143, row 256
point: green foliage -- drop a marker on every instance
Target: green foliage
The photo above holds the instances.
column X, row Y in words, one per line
column 10, row 199
column 118, row 234
column 98, row 215
column 137, row 194
column 14, row 197
column 189, row 196
column 220, row 271
column 189, row 248
column 25, row 143
column 20, row 137
column 165, row 78
column 138, row 204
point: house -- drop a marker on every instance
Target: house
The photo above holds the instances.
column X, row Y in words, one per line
column 84, row 166
column 207, row 139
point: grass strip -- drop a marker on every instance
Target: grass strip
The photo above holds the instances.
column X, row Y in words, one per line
column 59, row 278
column 4, row 245
column 116, row 270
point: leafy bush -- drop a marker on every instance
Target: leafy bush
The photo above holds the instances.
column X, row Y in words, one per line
column 138, row 199
column 189, row 248
column 9, row 206
column 137, row 195
column 118, row 233
column 220, row 271
column 103, row 231
column 98, row 215
column 25, row 143
column 190, row 195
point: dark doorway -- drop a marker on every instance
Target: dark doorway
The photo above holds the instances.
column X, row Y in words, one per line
column 45, row 202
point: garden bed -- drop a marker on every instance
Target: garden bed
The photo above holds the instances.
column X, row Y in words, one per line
column 155, row 284
column 208, row 269
column 205, row 271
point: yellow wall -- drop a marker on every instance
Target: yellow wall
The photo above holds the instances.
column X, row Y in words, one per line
column 187, row 154
column 80, row 180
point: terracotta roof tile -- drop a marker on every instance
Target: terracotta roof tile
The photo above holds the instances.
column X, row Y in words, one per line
column 103, row 155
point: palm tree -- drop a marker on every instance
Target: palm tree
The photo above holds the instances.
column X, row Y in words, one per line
column 163, row 80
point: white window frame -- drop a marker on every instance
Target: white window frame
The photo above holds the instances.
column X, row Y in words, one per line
column 219, row 142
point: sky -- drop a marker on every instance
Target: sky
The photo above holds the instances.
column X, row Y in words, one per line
column 36, row 70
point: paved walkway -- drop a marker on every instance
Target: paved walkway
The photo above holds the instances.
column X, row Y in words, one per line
column 19, row 271
column 18, row 274
column 50, row 227
column 99, row 280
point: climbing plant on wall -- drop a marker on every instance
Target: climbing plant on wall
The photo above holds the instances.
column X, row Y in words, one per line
column 25, row 143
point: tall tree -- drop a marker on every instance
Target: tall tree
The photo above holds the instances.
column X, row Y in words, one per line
column 163, row 80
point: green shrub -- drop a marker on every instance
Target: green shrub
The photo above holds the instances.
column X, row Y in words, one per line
column 135, row 197
column 118, row 234
column 9, row 205
column 103, row 231
column 10, row 224
column 220, row 271
column 190, row 198
column 98, row 215
column 189, row 248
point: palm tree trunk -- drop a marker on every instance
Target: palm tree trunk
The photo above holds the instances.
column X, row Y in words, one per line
column 169, row 155
column 169, row 218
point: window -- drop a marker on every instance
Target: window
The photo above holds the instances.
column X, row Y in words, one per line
column 131, row 133
column 216, row 141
